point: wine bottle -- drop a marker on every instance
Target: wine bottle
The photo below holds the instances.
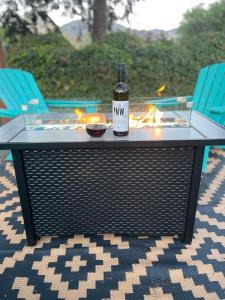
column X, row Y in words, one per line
column 120, row 105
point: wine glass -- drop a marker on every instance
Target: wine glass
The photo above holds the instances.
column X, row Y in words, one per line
column 95, row 124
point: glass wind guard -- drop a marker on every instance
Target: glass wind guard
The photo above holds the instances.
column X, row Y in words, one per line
column 158, row 113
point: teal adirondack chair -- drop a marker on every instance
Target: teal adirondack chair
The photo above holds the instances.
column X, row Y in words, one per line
column 18, row 87
column 208, row 98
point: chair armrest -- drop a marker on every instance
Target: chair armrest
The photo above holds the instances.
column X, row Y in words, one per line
column 8, row 113
column 217, row 109
column 72, row 102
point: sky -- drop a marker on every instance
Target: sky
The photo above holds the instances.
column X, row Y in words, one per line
column 150, row 14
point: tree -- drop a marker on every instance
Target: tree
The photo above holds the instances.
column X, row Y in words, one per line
column 2, row 55
column 200, row 21
column 202, row 34
column 99, row 27
column 100, row 14
column 24, row 17
column 2, row 51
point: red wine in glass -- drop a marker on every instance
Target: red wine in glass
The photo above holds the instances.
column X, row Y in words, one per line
column 96, row 130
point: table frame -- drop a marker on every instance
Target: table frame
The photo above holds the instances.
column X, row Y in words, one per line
column 203, row 132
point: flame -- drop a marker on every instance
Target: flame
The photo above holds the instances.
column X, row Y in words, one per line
column 79, row 113
column 150, row 118
column 159, row 92
column 93, row 119
column 157, row 117
column 88, row 118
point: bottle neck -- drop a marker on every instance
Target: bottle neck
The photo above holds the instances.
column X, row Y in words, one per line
column 121, row 75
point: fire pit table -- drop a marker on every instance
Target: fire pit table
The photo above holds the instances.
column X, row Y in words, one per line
column 144, row 184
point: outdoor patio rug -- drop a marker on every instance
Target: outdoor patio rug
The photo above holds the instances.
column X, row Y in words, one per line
column 116, row 267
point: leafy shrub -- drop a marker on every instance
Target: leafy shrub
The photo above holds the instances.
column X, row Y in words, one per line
column 63, row 72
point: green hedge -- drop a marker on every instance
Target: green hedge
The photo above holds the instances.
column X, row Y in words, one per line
column 62, row 71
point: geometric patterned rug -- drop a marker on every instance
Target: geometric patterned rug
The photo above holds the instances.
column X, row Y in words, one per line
column 112, row 266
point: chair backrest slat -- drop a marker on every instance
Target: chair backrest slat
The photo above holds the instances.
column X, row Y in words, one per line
column 6, row 96
column 219, row 99
column 31, row 83
column 16, row 86
column 13, row 98
column 199, row 87
column 206, row 91
column 210, row 91
column 215, row 96
column 19, row 87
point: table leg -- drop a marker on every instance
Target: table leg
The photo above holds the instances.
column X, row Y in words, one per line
column 24, row 197
column 194, row 190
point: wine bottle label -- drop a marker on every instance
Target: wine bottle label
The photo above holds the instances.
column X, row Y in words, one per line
column 120, row 111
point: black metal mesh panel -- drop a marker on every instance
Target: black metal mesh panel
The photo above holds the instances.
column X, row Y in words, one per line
column 119, row 190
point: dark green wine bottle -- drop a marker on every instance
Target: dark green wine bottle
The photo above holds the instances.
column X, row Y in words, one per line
column 120, row 105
